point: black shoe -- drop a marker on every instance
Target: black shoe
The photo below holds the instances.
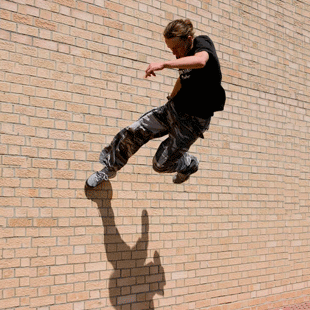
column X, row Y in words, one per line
column 182, row 177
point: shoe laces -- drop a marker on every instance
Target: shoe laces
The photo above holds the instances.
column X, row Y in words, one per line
column 101, row 175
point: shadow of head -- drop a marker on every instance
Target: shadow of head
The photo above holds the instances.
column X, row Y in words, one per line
column 133, row 282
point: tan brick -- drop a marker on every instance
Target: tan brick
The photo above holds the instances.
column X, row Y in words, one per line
column 19, row 18
column 20, row 222
column 45, row 44
column 40, row 23
column 98, row 11
column 74, row 297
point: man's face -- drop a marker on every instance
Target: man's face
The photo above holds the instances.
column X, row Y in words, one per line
column 179, row 46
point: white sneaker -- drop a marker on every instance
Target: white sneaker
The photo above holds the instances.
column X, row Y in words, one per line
column 99, row 176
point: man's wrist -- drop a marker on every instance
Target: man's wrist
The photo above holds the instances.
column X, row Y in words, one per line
column 167, row 65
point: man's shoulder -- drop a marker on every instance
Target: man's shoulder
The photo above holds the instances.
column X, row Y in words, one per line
column 203, row 39
column 202, row 36
column 203, row 42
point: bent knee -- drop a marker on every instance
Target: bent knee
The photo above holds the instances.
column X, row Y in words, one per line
column 160, row 168
column 163, row 167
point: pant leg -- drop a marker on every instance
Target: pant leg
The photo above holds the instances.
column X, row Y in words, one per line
column 184, row 163
column 172, row 155
column 128, row 141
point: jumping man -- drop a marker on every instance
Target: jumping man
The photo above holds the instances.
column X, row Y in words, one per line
column 197, row 94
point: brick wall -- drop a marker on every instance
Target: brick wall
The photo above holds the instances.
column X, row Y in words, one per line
column 236, row 236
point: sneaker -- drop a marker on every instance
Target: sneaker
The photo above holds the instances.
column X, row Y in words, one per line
column 99, row 176
column 182, row 177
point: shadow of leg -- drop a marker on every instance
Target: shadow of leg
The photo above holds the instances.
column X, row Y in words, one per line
column 133, row 284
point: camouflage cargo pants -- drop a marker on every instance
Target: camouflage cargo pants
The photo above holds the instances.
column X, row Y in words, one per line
column 171, row 156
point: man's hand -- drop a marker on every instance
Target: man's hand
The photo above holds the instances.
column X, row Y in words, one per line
column 153, row 67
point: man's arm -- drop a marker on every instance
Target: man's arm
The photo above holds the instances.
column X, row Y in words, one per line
column 197, row 61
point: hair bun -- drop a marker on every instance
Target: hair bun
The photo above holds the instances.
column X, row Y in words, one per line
column 179, row 28
column 188, row 23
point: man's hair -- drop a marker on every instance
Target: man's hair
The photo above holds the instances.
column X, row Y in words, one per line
column 179, row 28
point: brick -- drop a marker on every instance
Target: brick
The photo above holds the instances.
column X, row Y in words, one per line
column 11, row 303
column 19, row 18
column 8, row 26
column 40, row 23
column 98, row 10
column 78, row 296
column 45, row 44
column 41, row 301
column 45, row 222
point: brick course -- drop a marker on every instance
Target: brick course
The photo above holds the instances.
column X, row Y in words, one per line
column 235, row 236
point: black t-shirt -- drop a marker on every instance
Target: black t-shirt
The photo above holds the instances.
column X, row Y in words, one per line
column 201, row 93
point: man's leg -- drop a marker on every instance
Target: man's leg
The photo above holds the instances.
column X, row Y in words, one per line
column 172, row 155
column 190, row 161
column 126, row 143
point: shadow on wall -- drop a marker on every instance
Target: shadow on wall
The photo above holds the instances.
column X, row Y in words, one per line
column 133, row 284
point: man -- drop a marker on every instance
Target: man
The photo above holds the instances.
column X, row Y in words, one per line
column 187, row 114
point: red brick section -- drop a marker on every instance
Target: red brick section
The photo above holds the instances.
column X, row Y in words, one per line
column 303, row 306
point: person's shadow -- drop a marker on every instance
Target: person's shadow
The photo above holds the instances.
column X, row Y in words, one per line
column 133, row 284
